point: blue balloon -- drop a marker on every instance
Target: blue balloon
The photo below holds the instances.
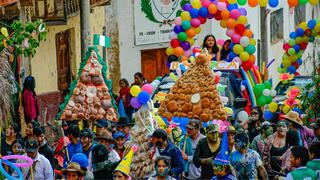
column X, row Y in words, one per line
column 292, row 69
column 177, row 29
column 182, row 67
column 273, row 3
column 296, row 47
column 187, row 7
column 232, row 6
column 312, row 23
column 232, row 55
column 293, row 35
column 203, row 12
column 299, row 61
column 194, row 13
column 268, row 115
column 231, row 45
column 143, row 97
column 300, row 32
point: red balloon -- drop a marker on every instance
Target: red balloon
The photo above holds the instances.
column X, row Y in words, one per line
column 246, row 65
column 296, row 74
column 303, row 45
column 196, row 49
column 240, row 28
column 175, row 43
column 295, row 64
column 307, row 32
column 202, row 19
column 218, row 16
column 286, row 46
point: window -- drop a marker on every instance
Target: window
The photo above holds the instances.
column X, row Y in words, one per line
column 299, row 15
column 276, row 26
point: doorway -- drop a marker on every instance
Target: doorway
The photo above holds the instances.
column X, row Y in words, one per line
column 153, row 63
column 63, row 61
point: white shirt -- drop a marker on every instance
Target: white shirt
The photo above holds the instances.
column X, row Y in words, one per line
column 42, row 170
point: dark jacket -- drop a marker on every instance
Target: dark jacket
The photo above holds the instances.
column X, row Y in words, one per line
column 202, row 152
column 47, row 151
column 177, row 162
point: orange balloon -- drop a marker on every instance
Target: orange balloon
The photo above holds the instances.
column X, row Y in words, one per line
column 190, row 32
column 252, row 59
column 248, row 33
column 225, row 14
column 178, row 51
column 293, row 3
column 223, row 23
column 253, row 3
column 231, row 23
column 212, row 8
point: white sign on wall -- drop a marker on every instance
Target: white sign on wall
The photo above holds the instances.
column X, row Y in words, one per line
column 153, row 20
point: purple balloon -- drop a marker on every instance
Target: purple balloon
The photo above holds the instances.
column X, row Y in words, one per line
column 177, row 29
column 187, row 7
column 135, row 103
column 185, row 45
column 243, row 11
column 210, row 16
column 168, row 64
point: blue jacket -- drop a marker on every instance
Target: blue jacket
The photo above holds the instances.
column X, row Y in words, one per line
column 72, row 149
column 177, row 162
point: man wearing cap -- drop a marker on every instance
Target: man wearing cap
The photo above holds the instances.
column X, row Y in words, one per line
column 83, row 161
column 86, row 136
column 119, row 139
column 106, row 139
column 73, row 172
column 166, row 148
column 231, row 132
column 101, row 125
column 296, row 124
column 125, row 125
column 44, row 148
column 41, row 166
column 206, row 151
column 188, row 146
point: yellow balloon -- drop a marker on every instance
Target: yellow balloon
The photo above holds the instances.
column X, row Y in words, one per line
column 196, row 4
column 169, row 51
column 232, row 1
column 273, row 107
column 173, row 76
column 286, row 63
column 317, row 28
column 191, row 41
column 4, row 31
column 303, row 25
column 185, row 16
column 285, row 109
column 238, row 49
column 314, row 2
column 197, row 30
column 253, row 41
column 229, row 111
column 263, row 3
column 223, row 23
column 298, row 40
column 242, row 20
column 135, row 90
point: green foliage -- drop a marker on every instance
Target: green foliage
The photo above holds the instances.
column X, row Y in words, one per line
column 20, row 32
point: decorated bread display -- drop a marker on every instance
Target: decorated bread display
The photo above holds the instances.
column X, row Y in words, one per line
column 195, row 94
column 90, row 95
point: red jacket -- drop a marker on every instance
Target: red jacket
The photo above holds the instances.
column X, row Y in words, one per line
column 30, row 105
column 124, row 94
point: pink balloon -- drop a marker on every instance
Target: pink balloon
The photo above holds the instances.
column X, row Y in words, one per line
column 178, row 21
column 206, row 3
column 238, row 60
column 235, row 38
column 195, row 22
column 222, row 6
column 235, row 14
column 220, row 42
column 230, row 32
column 187, row 53
column 147, row 88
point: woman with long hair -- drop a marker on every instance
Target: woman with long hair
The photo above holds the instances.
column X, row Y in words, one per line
column 31, row 109
column 210, row 43
column 255, row 120
column 225, row 50
column 139, row 79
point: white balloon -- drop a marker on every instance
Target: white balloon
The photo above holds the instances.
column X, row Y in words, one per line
column 219, row 73
column 243, row 116
column 266, row 92
column 154, row 85
column 173, row 35
column 244, row 41
column 243, row 88
column 273, row 93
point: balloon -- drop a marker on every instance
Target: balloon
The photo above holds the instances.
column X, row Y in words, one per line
column 291, row 69
column 174, row 43
column 221, row 6
column 182, row 36
column 266, row 92
column 286, row 46
column 312, row 23
column 258, row 89
column 244, row 41
column 296, row 48
column 235, row 38
column 262, row 100
column 250, row 49
column 249, row 34
column 197, row 30
column 253, row 41
column 232, row 1
column 273, row 3
column 244, row 56
column 203, row 11
column 231, row 23
column 173, row 35
column 194, row 13
column 246, row 65
column 243, row 116
column 4, row 32
column 206, row 3
column 314, row 2
column 285, row 109
column 263, row 3
column 253, row 3
column 135, row 103
column 229, row 32
column 235, row 14
column 232, row 6
column 252, row 59
column 177, row 21
column 190, row 33
column 195, row 22
column 267, row 115
column 147, row 88
column 225, row 14
column 291, row 51
column 196, row 4
column 143, row 97
column 178, row 51
column 185, row 45
column 202, row 19
column 237, row 49
column 300, row 31
column 187, row 7
column 185, row 15
column 169, row 51
column 240, row 28
column 212, row 8
column 243, row 11
column 191, row 41
column 135, row 90
column 223, row 23
column 242, row 2
column 177, row 29
column 187, row 53
column 293, row 3
column 273, row 107
column 293, row 35
column 186, row 25
column 267, row 84
column 242, row 20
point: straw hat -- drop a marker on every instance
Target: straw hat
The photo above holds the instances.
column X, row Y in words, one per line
column 73, row 167
column 294, row 117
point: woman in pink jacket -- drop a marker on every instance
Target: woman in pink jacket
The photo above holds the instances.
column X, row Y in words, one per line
column 30, row 105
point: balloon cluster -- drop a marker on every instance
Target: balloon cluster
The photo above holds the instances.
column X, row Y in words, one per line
column 187, row 26
column 140, row 95
column 298, row 42
column 264, row 93
column 273, row 3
